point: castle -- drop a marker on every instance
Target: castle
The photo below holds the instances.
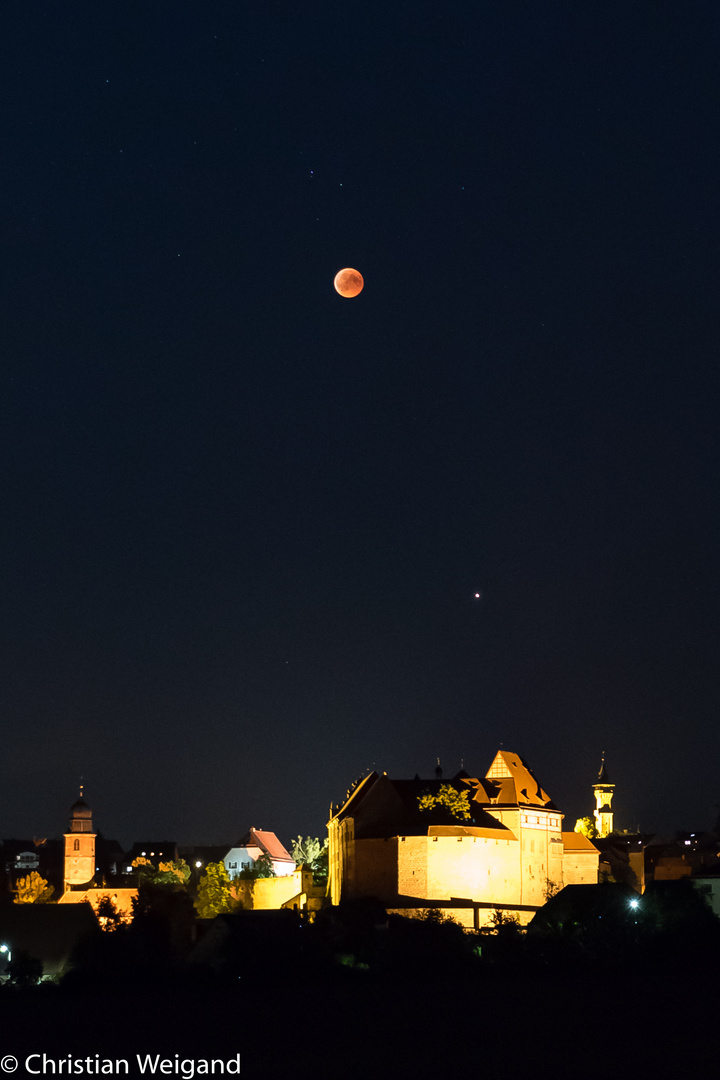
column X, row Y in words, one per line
column 469, row 846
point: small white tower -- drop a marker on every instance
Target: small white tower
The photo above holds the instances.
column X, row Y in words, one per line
column 604, row 791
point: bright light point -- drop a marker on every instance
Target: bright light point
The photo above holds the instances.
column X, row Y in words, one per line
column 478, row 595
column 634, row 904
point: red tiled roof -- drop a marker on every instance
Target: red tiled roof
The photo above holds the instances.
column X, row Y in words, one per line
column 267, row 842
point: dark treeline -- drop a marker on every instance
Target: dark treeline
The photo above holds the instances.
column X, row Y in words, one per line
column 360, row 991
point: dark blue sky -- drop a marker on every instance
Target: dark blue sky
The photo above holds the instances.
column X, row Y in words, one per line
column 243, row 519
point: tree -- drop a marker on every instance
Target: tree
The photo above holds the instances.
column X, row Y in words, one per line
column 586, row 826
column 166, row 873
column 551, row 889
column 503, row 923
column 172, row 873
column 313, row 855
column 457, row 803
column 33, row 889
column 263, row 867
column 216, row 894
column 433, row 915
column 108, row 915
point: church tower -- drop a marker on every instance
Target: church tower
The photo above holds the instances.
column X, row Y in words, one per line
column 79, row 846
column 604, row 791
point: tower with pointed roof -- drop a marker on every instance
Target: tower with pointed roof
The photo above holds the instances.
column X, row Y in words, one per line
column 604, row 791
column 79, row 846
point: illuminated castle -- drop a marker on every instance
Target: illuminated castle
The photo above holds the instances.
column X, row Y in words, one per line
column 469, row 846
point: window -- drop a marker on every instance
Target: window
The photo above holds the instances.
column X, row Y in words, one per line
column 76, row 845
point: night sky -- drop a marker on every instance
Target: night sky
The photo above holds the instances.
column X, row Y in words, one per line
column 244, row 519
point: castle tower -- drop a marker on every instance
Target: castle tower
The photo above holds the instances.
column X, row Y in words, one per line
column 79, row 846
column 604, row 791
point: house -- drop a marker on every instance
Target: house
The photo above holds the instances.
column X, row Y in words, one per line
column 622, row 859
column 22, row 857
column 469, row 846
column 253, row 845
column 707, row 883
column 580, row 859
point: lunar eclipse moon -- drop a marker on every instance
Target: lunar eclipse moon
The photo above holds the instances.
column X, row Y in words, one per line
column 348, row 282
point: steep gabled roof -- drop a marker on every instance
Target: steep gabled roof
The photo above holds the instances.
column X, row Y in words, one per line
column 268, row 843
column 575, row 841
column 382, row 807
column 510, row 782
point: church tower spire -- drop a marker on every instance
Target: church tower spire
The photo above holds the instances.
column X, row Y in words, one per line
column 79, row 846
column 604, row 791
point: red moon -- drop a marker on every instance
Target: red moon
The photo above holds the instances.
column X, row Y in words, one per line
column 348, row 282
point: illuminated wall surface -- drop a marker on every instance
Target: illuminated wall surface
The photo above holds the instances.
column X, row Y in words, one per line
column 294, row 890
column 122, row 900
column 509, row 854
column 79, row 846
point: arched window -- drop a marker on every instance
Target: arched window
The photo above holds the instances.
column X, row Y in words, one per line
column 76, row 845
